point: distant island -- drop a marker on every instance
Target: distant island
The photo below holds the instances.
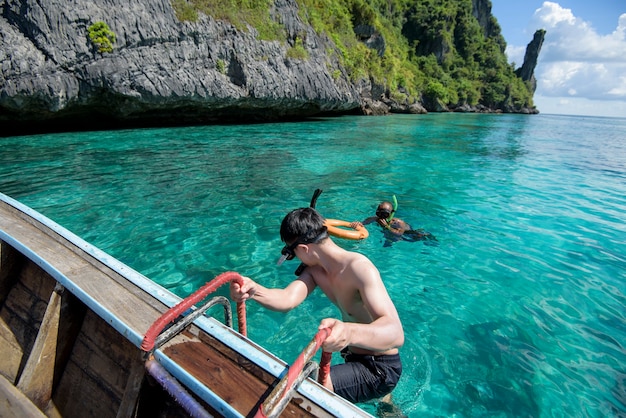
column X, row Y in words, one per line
column 113, row 64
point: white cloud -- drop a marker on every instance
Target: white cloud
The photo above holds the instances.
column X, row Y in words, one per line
column 620, row 89
column 569, row 38
column 575, row 61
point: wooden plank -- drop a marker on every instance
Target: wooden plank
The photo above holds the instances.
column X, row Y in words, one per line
column 132, row 390
column 21, row 316
column 219, row 373
column 12, row 352
column 97, row 373
column 13, row 403
column 37, row 377
column 231, row 380
column 10, row 264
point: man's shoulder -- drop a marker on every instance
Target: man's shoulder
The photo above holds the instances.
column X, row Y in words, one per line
column 360, row 261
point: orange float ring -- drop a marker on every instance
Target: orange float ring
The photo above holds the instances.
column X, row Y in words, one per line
column 333, row 229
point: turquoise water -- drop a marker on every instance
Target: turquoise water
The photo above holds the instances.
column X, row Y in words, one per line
column 518, row 312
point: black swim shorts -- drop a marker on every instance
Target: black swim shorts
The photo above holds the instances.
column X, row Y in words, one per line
column 362, row 378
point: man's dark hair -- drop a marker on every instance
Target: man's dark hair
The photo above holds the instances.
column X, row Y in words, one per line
column 304, row 224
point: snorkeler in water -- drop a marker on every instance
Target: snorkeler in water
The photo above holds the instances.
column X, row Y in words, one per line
column 396, row 229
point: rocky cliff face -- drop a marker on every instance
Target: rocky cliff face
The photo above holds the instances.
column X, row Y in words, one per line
column 527, row 71
column 481, row 9
column 160, row 70
column 165, row 71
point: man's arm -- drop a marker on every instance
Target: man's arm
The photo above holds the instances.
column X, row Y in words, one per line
column 369, row 220
column 281, row 300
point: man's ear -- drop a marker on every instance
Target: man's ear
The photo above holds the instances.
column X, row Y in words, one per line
column 304, row 247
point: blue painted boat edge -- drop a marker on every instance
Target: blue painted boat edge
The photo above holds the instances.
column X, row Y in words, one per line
column 251, row 350
column 154, row 289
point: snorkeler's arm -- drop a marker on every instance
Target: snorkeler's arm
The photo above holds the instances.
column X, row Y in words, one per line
column 369, row 220
column 281, row 300
column 356, row 224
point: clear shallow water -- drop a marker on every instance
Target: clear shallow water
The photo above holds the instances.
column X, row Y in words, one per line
column 519, row 312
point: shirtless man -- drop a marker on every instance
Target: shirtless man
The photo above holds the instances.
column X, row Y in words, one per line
column 370, row 332
column 383, row 218
column 394, row 228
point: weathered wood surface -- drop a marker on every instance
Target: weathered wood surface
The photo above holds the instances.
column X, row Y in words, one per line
column 64, row 360
column 14, row 404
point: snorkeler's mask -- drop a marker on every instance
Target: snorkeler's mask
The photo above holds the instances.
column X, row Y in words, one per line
column 288, row 252
column 383, row 213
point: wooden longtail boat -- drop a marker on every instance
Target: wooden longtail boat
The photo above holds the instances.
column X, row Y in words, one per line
column 83, row 335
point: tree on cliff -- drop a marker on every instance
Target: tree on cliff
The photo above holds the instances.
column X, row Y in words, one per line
column 102, row 37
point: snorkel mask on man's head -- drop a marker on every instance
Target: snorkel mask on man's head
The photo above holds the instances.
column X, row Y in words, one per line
column 289, row 251
column 383, row 213
column 300, row 226
column 386, row 211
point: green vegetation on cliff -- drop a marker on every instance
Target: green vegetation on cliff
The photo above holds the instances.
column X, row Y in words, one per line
column 432, row 51
column 101, row 37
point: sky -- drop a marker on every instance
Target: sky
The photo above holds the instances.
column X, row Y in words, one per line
column 581, row 68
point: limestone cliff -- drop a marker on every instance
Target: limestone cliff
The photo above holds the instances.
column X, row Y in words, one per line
column 166, row 71
column 161, row 69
